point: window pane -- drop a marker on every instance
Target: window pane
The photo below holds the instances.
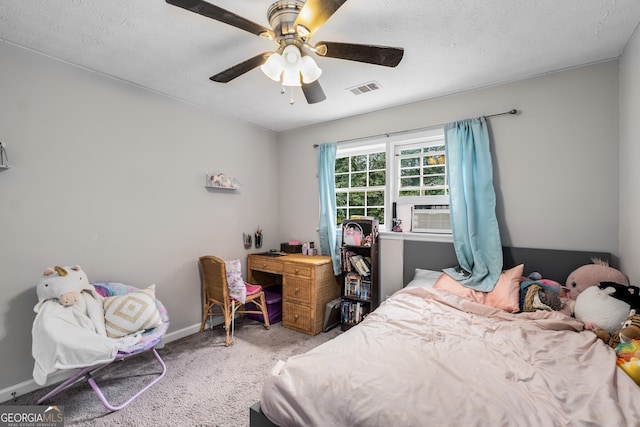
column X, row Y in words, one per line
column 342, row 165
column 410, row 182
column 378, row 160
column 356, row 198
column 375, row 198
column 341, row 214
column 434, row 148
column 409, row 193
column 377, row 178
column 434, row 160
column 359, row 179
column 342, row 181
column 410, row 162
column 432, row 171
column 410, row 172
column 341, row 199
column 433, row 180
column 359, row 163
column 435, row 193
column 357, row 211
column 410, row 151
column 377, row 213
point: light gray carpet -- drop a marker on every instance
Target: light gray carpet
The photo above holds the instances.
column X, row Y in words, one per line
column 207, row 384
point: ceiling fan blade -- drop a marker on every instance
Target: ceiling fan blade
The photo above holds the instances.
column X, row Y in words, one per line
column 314, row 13
column 371, row 54
column 214, row 12
column 313, row 92
column 239, row 69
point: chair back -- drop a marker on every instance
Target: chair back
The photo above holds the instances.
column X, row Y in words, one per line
column 214, row 278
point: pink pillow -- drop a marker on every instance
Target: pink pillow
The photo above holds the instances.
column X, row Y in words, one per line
column 447, row 283
column 505, row 295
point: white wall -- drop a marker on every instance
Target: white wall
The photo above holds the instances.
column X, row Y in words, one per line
column 111, row 177
column 555, row 165
column 629, row 156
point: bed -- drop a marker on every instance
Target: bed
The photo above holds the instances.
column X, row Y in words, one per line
column 429, row 357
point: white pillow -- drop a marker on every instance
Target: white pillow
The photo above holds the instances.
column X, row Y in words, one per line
column 237, row 288
column 424, row 278
column 129, row 313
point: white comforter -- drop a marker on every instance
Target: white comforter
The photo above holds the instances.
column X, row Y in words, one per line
column 72, row 337
column 428, row 358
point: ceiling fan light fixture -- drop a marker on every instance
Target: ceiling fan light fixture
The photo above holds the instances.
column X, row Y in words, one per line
column 291, row 77
column 309, row 70
column 291, row 54
column 273, row 67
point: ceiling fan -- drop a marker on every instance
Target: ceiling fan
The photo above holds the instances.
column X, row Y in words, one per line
column 293, row 23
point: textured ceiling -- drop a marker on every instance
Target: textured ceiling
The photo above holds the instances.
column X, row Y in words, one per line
column 450, row 46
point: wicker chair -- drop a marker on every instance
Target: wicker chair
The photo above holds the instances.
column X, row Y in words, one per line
column 215, row 292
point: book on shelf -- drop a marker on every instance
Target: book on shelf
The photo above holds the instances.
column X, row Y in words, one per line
column 353, row 312
column 359, row 264
column 357, row 286
column 352, row 261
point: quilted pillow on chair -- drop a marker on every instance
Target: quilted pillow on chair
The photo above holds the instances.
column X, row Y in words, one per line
column 237, row 289
column 132, row 312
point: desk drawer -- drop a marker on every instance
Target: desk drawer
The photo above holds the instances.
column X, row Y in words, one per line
column 296, row 316
column 298, row 290
column 298, row 269
column 265, row 264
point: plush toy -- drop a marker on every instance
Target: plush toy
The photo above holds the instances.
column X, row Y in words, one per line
column 538, row 294
column 590, row 275
column 547, row 283
column 597, row 308
column 629, row 332
column 627, row 293
column 629, row 359
column 64, row 284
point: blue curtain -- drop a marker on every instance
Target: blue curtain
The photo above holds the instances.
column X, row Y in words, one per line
column 474, row 224
column 327, row 187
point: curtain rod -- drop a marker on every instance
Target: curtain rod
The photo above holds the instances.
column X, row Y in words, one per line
column 510, row 112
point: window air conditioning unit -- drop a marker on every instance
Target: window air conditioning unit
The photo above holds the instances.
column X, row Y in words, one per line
column 431, row 219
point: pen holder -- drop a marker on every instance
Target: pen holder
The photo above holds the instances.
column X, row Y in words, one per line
column 246, row 239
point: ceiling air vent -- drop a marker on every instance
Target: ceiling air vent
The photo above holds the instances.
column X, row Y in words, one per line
column 364, row 88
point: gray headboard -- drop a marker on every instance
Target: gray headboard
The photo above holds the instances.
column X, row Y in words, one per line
column 553, row 264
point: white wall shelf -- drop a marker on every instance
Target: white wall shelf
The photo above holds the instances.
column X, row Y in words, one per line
column 219, row 187
column 222, row 182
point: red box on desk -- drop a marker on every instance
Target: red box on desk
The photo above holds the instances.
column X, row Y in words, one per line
column 291, row 249
column 273, row 299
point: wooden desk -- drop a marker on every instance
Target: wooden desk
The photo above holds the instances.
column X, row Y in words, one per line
column 308, row 284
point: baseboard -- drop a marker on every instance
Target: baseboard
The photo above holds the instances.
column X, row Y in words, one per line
column 30, row 385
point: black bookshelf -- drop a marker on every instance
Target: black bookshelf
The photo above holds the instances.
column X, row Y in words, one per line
column 360, row 271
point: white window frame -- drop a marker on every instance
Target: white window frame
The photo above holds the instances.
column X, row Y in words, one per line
column 391, row 144
column 367, row 147
column 429, row 137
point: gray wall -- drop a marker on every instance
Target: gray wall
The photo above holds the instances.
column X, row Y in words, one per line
column 111, row 177
column 555, row 165
column 629, row 155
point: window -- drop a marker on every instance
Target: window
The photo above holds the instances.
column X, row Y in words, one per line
column 421, row 170
column 368, row 184
column 361, row 180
